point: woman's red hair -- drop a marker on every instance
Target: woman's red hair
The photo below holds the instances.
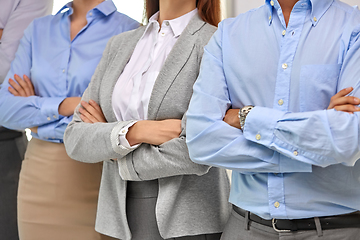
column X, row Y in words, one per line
column 209, row 10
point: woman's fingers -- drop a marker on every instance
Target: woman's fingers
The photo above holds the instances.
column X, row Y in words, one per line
column 17, row 87
column 85, row 119
column 99, row 113
column 86, row 114
column 23, row 85
column 13, row 91
column 30, row 85
column 94, row 110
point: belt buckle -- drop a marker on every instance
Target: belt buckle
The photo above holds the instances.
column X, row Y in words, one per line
column 273, row 221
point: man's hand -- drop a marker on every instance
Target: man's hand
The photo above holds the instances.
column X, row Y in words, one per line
column 232, row 118
column 21, row 87
column 1, row 32
column 67, row 107
column 153, row 132
column 91, row 112
column 342, row 102
column 34, row 129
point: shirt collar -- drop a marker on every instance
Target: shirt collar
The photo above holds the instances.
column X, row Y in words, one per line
column 318, row 8
column 177, row 25
column 106, row 8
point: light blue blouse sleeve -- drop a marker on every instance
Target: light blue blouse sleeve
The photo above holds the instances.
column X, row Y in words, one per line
column 24, row 112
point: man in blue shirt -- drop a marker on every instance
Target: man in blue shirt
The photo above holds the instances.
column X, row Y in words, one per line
column 266, row 105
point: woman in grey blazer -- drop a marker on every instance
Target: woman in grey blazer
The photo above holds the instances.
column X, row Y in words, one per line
column 133, row 119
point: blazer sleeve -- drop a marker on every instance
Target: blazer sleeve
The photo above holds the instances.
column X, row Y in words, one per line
column 148, row 162
column 94, row 142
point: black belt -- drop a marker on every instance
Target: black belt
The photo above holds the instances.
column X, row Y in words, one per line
column 351, row 220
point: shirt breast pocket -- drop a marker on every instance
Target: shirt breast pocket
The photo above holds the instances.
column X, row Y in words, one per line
column 318, row 83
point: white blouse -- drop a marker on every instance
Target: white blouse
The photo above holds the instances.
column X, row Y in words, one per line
column 133, row 89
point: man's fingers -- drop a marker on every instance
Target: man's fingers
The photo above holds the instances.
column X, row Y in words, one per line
column 347, row 108
column 344, row 92
column 346, row 100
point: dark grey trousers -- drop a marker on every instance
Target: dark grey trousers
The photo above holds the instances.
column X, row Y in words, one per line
column 11, row 155
column 140, row 207
column 235, row 229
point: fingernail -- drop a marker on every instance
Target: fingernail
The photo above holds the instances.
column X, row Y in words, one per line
column 356, row 100
column 349, row 88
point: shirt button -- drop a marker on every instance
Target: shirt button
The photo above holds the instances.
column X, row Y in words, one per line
column 284, row 32
column 123, row 131
column 272, row 3
column 55, row 116
column 281, row 102
column 269, row 17
column 315, row 19
column 296, row 153
column 284, row 66
column 90, row 14
column 258, row 137
column 48, row 118
column 167, row 23
column 277, row 204
column 63, row 70
column 162, row 34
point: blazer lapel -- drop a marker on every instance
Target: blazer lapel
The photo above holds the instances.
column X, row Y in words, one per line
column 175, row 61
column 116, row 67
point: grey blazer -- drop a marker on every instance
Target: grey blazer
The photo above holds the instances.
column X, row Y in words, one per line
column 193, row 198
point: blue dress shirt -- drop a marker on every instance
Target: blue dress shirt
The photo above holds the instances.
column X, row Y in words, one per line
column 58, row 67
column 295, row 159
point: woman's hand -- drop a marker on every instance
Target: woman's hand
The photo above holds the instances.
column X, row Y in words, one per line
column 67, row 107
column 91, row 112
column 21, row 87
column 232, row 118
column 342, row 102
column 153, row 132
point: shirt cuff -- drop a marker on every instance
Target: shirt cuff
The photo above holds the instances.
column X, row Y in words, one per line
column 260, row 125
column 50, row 107
column 46, row 132
column 122, row 136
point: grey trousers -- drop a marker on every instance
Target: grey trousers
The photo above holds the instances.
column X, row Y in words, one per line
column 235, row 230
column 11, row 155
column 140, row 207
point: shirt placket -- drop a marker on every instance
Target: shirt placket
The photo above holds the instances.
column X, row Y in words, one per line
column 289, row 43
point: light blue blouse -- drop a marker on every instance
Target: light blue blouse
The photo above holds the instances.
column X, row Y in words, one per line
column 58, row 67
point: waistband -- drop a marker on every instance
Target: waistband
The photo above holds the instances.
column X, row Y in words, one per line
column 142, row 189
column 7, row 134
column 351, row 220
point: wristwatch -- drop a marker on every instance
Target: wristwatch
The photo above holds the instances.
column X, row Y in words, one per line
column 243, row 112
